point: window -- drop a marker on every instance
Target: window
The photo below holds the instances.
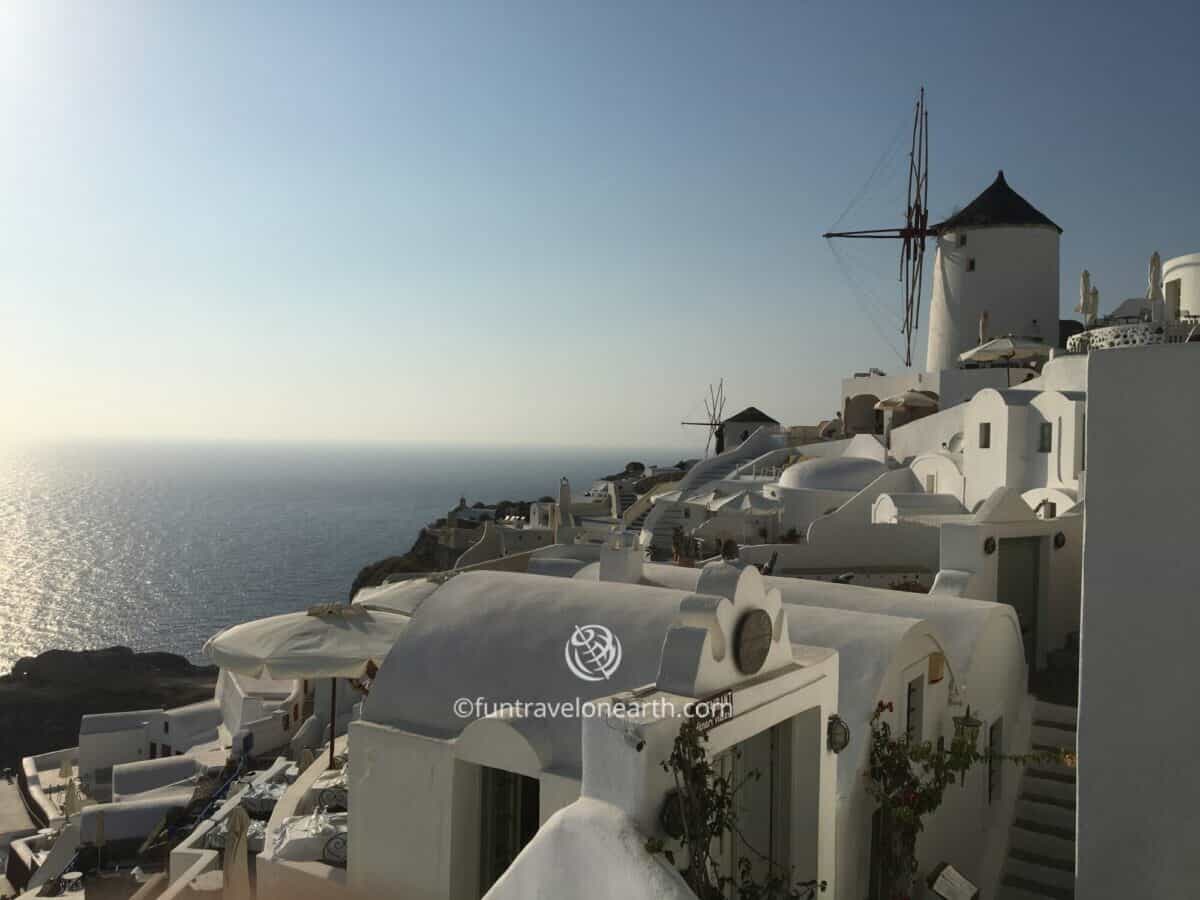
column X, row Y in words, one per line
column 153, row 750
column 985, row 435
column 931, row 484
column 914, row 711
column 995, row 764
column 1045, row 437
column 166, row 726
column 962, row 240
column 971, row 264
column 166, row 750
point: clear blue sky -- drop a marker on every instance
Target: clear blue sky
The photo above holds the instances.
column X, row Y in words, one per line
column 530, row 222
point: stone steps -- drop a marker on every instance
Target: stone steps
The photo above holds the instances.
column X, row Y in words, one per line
column 1041, row 855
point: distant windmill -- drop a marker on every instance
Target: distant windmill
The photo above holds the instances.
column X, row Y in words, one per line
column 714, row 409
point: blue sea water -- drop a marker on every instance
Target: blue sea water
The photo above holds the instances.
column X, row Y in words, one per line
column 157, row 546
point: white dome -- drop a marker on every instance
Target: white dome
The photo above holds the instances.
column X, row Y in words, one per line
column 842, row 473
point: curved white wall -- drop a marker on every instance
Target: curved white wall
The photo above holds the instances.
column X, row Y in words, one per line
column 1015, row 279
column 1187, row 270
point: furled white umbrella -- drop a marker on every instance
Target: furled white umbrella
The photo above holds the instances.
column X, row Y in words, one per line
column 1154, row 278
column 236, row 866
column 98, row 839
column 911, row 399
column 1088, row 298
column 329, row 641
column 72, row 803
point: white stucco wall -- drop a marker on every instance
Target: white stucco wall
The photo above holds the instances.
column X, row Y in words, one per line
column 1137, row 777
column 963, row 550
column 1187, row 270
column 1015, row 279
column 933, row 432
column 1014, row 459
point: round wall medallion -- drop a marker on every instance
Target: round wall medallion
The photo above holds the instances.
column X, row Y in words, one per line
column 989, row 546
column 1060, row 541
column 752, row 642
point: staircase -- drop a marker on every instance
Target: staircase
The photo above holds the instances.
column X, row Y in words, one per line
column 636, row 525
column 626, row 497
column 664, row 529
column 665, row 517
column 1041, row 853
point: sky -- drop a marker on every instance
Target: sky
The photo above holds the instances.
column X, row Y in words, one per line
column 541, row 223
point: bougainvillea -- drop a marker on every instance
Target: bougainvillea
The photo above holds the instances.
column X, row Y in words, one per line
column 908, row 781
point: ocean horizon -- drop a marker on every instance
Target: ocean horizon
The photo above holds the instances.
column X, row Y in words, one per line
column 158, row 545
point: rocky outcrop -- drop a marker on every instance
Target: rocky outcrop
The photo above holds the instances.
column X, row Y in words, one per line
column 421, row 557
column 43, row 698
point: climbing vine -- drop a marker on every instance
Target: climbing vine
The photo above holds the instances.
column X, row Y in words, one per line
column 702, row 811
column 908, row 781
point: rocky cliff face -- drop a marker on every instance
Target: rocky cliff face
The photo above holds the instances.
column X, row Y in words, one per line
column 422, row 557
column 43, row 698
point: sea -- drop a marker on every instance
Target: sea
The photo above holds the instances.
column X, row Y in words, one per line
column 156, row 546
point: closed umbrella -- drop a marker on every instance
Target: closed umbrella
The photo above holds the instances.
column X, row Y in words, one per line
column 236, row 883
column 98, row 839
column 71, row 802
column 329, row 641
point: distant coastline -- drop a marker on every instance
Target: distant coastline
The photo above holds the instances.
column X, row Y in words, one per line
column 157, row 546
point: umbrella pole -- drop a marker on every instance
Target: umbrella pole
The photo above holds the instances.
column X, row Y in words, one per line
column 332, row 716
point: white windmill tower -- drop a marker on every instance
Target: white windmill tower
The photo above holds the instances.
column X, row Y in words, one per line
column 999, row 256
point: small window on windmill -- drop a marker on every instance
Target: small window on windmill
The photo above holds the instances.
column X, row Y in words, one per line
column 962, row 240
column 971, row 264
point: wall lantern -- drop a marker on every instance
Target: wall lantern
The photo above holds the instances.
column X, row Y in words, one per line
column 837, row 734
column 989, row 546
column 966, row 728
column 1060, row 541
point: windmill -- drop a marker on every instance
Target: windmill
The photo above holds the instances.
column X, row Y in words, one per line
column 915, row 229
column 714, row 409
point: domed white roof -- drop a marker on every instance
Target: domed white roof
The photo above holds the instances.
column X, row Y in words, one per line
column 842, row 473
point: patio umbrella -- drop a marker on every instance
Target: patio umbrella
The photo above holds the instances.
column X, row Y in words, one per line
column 1006, row 349
column 911, row 399
column 329, row 641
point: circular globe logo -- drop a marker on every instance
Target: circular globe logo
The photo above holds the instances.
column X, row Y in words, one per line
column 593, row 652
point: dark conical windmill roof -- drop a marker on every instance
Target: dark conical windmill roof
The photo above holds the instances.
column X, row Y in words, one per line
column 752, row 414
column 998, row 205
